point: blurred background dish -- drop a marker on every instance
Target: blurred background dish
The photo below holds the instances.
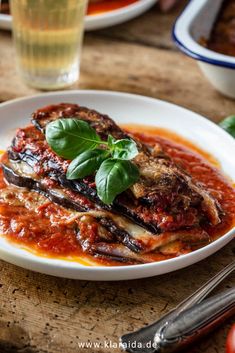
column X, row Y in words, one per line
column 100, row 14
column 194, row 33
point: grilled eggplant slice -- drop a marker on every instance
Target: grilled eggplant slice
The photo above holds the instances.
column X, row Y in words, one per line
column 164, row 208
column 111, row 226
column 161, row 182
column 164, row 199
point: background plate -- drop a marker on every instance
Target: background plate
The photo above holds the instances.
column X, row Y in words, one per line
column 101, row 20
column 123, row 108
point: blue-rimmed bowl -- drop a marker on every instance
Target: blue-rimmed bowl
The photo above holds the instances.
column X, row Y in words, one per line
column 194, row 24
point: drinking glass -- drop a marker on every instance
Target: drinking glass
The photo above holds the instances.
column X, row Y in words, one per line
column 48, row 36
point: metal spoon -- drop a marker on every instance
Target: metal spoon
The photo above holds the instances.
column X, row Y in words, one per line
column 187, row 322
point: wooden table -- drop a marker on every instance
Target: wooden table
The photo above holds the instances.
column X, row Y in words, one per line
column 43, row 314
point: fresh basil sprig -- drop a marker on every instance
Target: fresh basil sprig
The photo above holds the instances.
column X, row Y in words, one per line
column 122, row 149
column 86, row 163
column 228, row 124
column 70, row 137
column 76, row 140
column 113, row 177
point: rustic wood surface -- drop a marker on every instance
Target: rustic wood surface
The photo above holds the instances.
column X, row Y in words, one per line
column 43, row 314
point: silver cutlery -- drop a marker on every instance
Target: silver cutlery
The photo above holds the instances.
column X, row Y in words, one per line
column 190, row 320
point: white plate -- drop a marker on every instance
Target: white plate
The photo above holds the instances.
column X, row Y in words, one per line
column 102, row 20
column 123, row 108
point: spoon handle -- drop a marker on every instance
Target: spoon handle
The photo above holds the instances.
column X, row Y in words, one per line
column 195, row 322
column 145, row 336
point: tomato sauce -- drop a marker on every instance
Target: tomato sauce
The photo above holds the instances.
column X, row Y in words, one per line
column 107, row 5
column 202, row 167
column 49, row 230
column 93, row 8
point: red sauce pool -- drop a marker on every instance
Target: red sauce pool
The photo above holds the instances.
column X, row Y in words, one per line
column 107, row 5
column 47, row 230
column 202, row 167
column 93, row 8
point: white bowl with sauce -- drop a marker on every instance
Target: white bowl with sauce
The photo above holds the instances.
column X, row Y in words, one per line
column 195, row 23
column 103, row 19
column 124, row 109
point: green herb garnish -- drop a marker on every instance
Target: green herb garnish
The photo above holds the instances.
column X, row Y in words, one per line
column 86, row 163
column 228, row 124
column 70, row 137
column 113, row 177
column 76, row 140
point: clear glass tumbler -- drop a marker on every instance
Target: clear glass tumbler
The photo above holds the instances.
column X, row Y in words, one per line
column 48, row 36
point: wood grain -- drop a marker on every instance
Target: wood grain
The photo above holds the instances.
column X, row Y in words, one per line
column 40, row 313
column 43, row 314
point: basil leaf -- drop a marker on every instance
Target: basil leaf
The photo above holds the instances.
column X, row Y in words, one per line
column 70, row 137
column 113, row 177
column 122, row 149
column 228, row 124
column 86, row 164
column 111, row 141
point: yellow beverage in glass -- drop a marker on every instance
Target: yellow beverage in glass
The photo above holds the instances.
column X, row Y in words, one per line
column 48, row 36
